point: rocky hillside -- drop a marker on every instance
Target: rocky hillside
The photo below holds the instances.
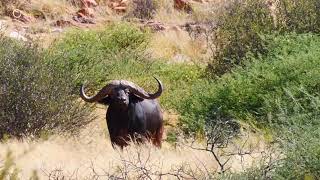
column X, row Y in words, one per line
column 179, row 26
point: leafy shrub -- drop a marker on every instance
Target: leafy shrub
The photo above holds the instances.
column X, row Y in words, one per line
column 195, row 107
column 35, row 98
column 284, row 89
column 252, row 93
column 238, row 32
column 239, row 29
column 298, row 143
column 299, row 138
column 97, row 54
column 299, row 16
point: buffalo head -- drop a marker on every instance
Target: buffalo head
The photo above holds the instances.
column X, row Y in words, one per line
column 118, row 93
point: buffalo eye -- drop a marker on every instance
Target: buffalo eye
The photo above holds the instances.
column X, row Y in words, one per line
column 126, row 91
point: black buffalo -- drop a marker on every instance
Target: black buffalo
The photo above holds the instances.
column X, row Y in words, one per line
column 133, row 113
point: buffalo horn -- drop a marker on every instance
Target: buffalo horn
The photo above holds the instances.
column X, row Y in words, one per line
column 101, row 94
column 141, row 92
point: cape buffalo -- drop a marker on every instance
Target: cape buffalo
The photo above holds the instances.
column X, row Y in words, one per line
column 133, row 113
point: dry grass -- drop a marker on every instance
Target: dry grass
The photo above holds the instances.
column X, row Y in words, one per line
column 165, row 13
column 202, row 12
column 90, row 156
column 49, row 9
column 176, row 45
column 86, row 159
column 78, row 156
column 52, row 9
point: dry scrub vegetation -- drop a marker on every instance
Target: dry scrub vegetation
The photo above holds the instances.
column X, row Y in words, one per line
column 91, row 156
column 242, row 78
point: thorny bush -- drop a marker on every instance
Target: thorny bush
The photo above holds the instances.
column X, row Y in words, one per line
column 34, row 97
column 237, row 32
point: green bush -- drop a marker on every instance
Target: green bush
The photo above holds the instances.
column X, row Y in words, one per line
column 254, row 92
column 301, row 16
column 238, row 32
column 239, row 29
column 97, row 54
column 300, row 142
column 34, row 99
column 195, row 106
column 297, row 142
column 279, row 91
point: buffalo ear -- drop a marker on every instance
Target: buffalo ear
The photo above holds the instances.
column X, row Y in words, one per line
column 105, row 101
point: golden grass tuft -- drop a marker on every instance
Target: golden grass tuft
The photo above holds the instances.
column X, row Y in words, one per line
column 176, row 45
column 52, row 9
column 166, row 13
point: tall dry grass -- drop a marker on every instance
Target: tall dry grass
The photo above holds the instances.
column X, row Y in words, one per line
column 52, row 9
column 175, row 45
column 166, row 13
column 91, row 156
